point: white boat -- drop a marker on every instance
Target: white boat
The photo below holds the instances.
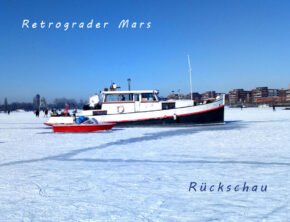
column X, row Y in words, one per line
column 143, row 107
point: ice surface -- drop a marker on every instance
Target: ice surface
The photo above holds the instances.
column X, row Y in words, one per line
column 143, row 174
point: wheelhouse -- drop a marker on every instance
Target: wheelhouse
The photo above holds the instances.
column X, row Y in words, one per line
column 130, row 96
column 118, row 102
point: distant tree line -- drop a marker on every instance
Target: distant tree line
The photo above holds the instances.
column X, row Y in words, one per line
column 40, row 104
column 59, row 103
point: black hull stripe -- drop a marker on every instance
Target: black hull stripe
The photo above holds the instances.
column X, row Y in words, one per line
column 210, row 117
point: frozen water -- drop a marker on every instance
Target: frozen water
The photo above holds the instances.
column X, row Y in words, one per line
column 143, row 174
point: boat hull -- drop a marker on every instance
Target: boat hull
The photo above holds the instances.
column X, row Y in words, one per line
column 81, row 128
column 200, row 114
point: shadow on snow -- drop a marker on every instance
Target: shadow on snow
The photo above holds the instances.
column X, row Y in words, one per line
column 147, row 137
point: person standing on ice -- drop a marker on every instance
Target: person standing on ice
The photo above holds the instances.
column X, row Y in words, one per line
column 66, row 109
column 45, row 112
column 37, row 113
column 274, row 108
column 75, row 112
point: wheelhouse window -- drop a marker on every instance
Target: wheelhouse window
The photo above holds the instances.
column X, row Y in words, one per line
column 136, row 97
column 148, row 97
column 119, row 98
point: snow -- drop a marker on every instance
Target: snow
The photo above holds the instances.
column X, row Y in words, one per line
column 143, row 174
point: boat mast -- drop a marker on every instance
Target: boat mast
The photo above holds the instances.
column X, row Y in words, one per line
column 189, row 70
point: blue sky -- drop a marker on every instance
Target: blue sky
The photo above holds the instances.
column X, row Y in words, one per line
column 232, row 44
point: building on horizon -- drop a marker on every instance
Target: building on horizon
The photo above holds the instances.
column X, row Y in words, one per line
column 208, row 95
column 196, row 97
column 287, row 94
column 264, row 95
column 259, row 92
column 239, row 96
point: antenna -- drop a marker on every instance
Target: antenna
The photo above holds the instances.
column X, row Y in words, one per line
column 129, row 84
column 189, row 70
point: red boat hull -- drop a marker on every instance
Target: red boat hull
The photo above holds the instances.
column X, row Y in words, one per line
column 81, row 128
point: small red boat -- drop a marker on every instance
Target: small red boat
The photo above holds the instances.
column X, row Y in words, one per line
column 81, row 128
